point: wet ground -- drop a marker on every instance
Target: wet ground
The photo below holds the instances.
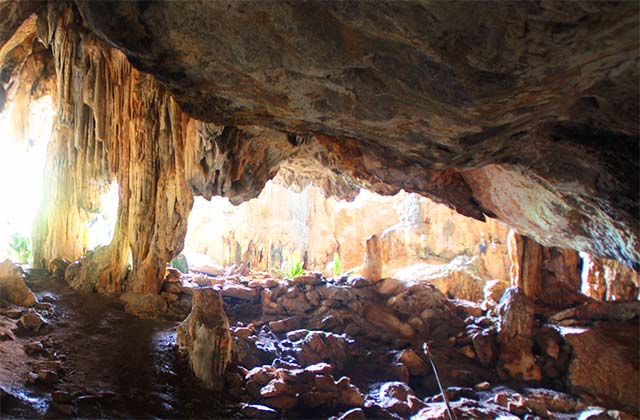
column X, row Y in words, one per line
column 114, row 365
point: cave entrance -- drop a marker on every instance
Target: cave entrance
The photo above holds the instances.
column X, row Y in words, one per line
column 23, row 150
column 100, row 228
column 284, row 230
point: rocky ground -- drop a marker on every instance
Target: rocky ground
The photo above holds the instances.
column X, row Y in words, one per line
column 315, row 348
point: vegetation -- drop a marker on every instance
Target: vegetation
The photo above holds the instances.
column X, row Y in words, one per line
column 180, row 263
column 337, row 265
column 291, row 266
column 20, row 247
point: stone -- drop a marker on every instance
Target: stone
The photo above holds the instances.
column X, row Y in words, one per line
column 381, row 317
column 394, row 396
column 238, row 291
column 308, row 280
column 170, row 297
column 482, row 386
column 416, row 364
column 144, row 305
column 43, row 306
column 373, row 259
column 34, row 348
column 320, row 346
column 61, row 397
column 484, row 346
column 261, row 375
column 605, row 363
column 467, row 308
column 296, row 335
column 390, row 287
column 57, row 266
column 48, row 376
column 353, row 414
column 12, row 286
column 320, row 368
column 31, row 321
column 318, row 398
column 32, row 377
column 64, row 408
column 350, row 396
column 284, row 325
column 515, row 337
column 206, row 338
column 257, row 411
column 282, row 402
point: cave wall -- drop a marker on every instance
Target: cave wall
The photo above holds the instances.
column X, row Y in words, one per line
column 483, row 150
column 112, row 122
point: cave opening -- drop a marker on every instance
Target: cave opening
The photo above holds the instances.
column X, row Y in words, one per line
column 417, row 210
column 25, row 135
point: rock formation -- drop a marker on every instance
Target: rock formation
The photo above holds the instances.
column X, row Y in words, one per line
column 12, row 286
column 205, row 336
column 350, row 97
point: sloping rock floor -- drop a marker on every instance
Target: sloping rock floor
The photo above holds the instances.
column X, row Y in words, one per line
column 308, row 348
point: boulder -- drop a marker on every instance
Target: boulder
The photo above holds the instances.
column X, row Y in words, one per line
column 414, row 363
column 144, row 305
column 320, row 346
column 605, row 363
column 238, row 291
column 515, row 337
column 31, row 321
column 13, row 287
column 394, row 397
column 381, row 317
column 206, row 338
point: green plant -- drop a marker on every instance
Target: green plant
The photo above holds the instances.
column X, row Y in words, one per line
column 291, row 266
column 20, row 246
column 337, row 265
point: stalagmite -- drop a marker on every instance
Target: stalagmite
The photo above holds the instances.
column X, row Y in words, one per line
column 373, row 259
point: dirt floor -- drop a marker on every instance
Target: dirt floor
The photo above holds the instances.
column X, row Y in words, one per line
column 113, row 364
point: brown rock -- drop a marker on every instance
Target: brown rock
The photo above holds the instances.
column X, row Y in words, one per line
column 484, row 346
column 515, row 334
column 238, row 291
column 320, row 346
column 282, row 402
column 12, row 286
column 416, row 365
column 47, row 376
column 31, row 321
column 144, row 305
column 383, row 318
column 604, row 363
column 284, row 325
column 493, row 291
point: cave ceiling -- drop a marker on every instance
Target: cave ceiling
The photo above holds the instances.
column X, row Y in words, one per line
column 523, row 111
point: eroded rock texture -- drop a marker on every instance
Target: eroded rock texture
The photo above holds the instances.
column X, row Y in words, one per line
column 527, row 112
column 524, row 111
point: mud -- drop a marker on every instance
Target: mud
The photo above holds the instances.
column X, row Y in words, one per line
column 113, row 364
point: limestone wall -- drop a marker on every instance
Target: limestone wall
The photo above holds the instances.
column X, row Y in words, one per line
column 412, row 229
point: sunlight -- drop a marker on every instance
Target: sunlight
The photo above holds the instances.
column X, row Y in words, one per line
column 100, row 228
column 23, row 151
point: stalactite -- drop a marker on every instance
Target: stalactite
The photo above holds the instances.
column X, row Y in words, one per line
column 113, row 122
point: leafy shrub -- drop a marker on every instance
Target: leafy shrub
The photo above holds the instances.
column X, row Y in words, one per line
column 291, row 266
column 20, row 246
column 337, row 265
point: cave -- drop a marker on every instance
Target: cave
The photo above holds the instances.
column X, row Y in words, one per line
column 320, row 209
